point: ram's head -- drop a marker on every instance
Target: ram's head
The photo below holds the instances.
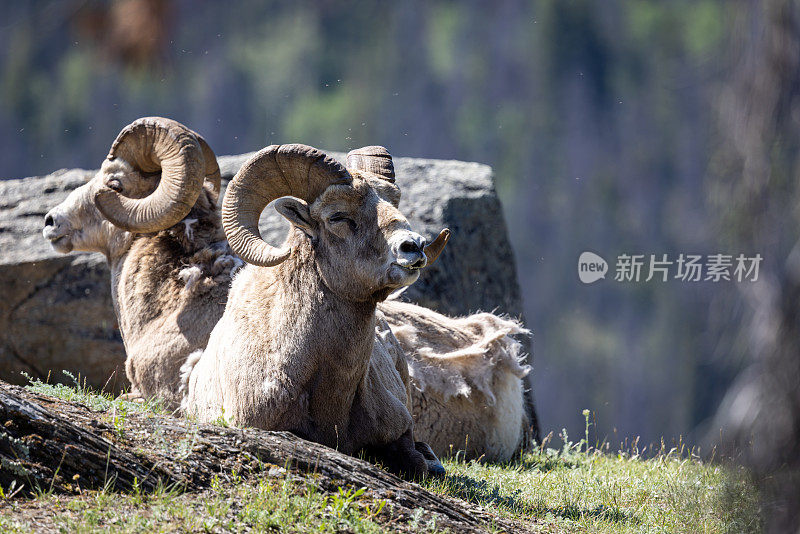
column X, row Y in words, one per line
column 152, row 177
column 361, row 243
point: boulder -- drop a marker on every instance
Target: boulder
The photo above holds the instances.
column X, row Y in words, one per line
column 56, row 312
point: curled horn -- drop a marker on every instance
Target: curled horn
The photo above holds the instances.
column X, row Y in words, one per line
column 435, row 248
column 375, row 159
column 150, row 145
column 273, row 172
column 213, row 178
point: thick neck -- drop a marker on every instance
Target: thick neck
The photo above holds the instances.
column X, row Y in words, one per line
column 304, row 292
column 119, row 245
column 130, row 255
column 139, row 267
column 334, row 338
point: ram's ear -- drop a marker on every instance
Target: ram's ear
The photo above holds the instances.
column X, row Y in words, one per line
column 296, row 212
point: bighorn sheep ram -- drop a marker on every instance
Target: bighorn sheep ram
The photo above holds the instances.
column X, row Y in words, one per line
column 152, row 210
column 296, row 347
column 466, row 374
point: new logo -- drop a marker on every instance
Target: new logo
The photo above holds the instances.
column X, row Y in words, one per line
column 591, row 267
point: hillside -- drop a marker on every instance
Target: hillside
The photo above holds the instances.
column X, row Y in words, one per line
column 128, row 467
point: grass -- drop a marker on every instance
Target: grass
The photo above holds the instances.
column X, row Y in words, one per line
column 594, row 491
column 97, row 401
column 271, row 504
column 573, row 488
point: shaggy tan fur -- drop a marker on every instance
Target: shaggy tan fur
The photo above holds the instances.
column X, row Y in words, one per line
column 168, row 298
column 466, row 375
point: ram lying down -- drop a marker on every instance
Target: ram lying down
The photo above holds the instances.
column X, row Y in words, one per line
column 466, row 380
column 152, row 211
column 295, row 348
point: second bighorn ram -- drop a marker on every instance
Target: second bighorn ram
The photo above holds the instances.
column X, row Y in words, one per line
column 294, row 348
column 466, row 380
column 152, row 211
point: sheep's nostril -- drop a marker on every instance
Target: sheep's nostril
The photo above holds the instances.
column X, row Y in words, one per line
column 48, row 220
column 409, row 247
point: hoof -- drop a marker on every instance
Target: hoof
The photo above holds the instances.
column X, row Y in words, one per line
column 435, row 467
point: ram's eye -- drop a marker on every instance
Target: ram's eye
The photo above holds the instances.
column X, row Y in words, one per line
column 342, row 217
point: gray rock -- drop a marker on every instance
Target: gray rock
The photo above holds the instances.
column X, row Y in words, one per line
column 55, row 310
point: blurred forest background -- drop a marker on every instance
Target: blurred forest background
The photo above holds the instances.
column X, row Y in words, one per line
column 610, row 125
